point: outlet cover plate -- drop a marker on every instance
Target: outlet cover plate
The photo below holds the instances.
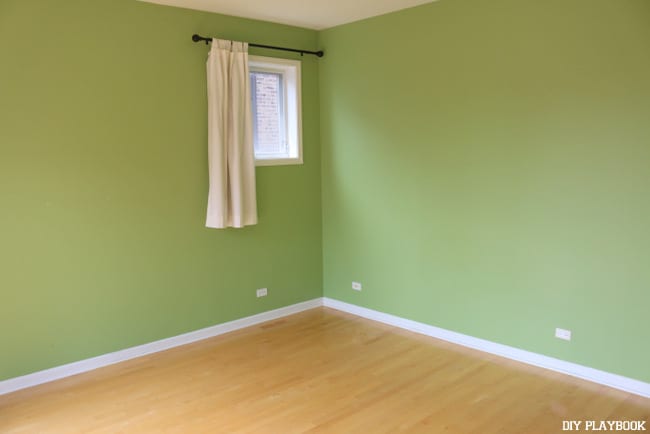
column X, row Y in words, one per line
column 563, row 334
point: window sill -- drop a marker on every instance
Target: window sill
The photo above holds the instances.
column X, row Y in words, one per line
column 278, row 162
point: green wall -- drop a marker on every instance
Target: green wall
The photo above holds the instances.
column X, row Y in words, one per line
column 486, row 169
column 103, row 184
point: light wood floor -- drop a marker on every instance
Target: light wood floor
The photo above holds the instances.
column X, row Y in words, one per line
column 319, row 371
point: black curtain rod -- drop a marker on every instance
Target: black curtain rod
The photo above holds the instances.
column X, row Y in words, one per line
column 197, row 38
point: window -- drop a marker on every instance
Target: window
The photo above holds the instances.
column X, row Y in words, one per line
column 275, row 94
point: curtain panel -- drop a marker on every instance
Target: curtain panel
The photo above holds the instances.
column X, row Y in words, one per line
column 231, row 164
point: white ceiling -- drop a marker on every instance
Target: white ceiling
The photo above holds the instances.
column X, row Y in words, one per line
column 312, row 14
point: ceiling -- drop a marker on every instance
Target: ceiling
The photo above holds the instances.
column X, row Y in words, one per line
column 312, row 14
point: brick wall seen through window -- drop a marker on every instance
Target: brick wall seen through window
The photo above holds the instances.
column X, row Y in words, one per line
column 268, row 113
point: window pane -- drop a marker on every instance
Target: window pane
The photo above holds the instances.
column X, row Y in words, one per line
column 268, row 115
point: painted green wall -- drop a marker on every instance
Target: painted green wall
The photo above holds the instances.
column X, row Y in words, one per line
column 103, row 184
column 486, row 169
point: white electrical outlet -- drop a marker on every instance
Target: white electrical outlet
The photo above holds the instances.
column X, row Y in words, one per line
column 262, row 292
column 563, row 334
column 356, row 286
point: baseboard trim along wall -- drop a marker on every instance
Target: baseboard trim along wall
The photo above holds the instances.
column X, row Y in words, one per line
column 594, row 375
column 86, row 365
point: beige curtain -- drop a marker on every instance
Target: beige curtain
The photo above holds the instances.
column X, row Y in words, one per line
column 231, row 196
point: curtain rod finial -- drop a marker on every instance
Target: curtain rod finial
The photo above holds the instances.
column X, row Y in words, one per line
column 197, row 38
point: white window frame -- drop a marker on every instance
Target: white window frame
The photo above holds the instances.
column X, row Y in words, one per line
column 291, row 85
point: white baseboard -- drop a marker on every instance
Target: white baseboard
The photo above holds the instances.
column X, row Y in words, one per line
column 79, row 367
column 594, row 375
